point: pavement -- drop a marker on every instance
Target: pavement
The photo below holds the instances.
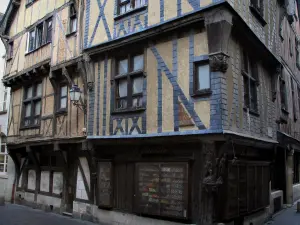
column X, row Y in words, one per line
column 287, row 216
column 20, row 215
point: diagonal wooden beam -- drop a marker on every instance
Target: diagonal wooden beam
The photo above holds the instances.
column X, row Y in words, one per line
column 67, row 76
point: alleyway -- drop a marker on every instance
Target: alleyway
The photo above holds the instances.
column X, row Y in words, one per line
column 20, row 215
column 286, row 217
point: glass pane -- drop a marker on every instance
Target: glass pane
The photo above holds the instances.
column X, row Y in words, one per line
column 122, row 88
column 29, row 92
column 37, row 108
column 2, row 148
column 2, row 158
column 138, row 62
column 63, row 103
column 36, row 121
column 122, row 104
column 137, row 102
column 73, row 24
column 137, row 85
column 203, row 77
column 122, row 9
column 1, row 167
column 64, row 91
column 39, row 89
column 27, row 122
column 139, row 3
column 123, row 66
column 28, row 110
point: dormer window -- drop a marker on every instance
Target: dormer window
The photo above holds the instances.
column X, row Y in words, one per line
column 128, row 5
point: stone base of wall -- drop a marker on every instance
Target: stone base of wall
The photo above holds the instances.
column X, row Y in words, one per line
column 45, row 203
column 258, row 218
column 275, row 194
column 296, row 192
column 94, row 214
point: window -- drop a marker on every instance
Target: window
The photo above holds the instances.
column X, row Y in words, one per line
column 10, row 50
column 3, row 156
column 127, row 5
column 291, row 47
column 31, row 41
column 298, row 55
column 29, row 2
column 250, row 74
column 73, row 19
column 63, row 97
column 201, row 77
column 129, row 82
column 293, row 99
column 283, row 96
column 258, row 5
column 3, row 106
column 40, row 35
column 48, row 31
column 32, row 105
column 296, row 168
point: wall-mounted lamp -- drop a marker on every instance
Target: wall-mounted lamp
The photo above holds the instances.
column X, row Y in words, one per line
column 76, row 99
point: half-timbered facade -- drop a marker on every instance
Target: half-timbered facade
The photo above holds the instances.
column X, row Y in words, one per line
column 45, row 130
column 181, row 116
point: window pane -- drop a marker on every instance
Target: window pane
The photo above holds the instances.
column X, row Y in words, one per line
column 31, row 44
column 2, row 158
column 49, row 31
column 63, row 103
column 37, row 108
column 29, row 92
column 122, row 104
column 203, row 77
column 39, row 89
column 73, row 24
column 123, row 66
column 64, row 91
column 139, row 3
column 137, row 102
column 39, row 35
column 138, row 62
column 28, row 110
column 137, row 85
column 2, row 148
column 1, row 167
column 122, row 88
column 36, row 121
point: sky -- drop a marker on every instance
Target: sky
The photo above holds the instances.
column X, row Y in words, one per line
column 3, row 5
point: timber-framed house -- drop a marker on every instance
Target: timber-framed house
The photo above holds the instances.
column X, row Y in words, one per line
column 45, row 130
column 178, row 121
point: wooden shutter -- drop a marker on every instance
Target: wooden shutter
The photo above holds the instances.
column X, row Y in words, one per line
column 104, row 197
column 162, row 189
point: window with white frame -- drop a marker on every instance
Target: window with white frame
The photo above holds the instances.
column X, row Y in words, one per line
column 3, row 103
column 39, row 35
column 3, row 156
column 73, row 19
column 125, row 6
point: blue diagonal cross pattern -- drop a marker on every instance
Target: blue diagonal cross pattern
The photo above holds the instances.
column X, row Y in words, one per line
column 101, row 16
column 189, row 107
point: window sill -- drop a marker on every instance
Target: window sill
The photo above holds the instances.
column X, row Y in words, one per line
column 258, row 16
column 32, row 51
column 30, row 127
column 61, row 112
column 123, row 111
column 252, row 112
column 202, row 93
column 70, row 34
column 131, row 12
column 3, row 112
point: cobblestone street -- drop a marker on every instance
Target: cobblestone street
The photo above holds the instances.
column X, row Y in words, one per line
column 20, row 215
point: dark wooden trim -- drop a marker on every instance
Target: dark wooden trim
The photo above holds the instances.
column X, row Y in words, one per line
column 84, row 180
column 83, row 200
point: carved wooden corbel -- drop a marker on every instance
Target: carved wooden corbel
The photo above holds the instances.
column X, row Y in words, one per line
column 33, row 157
column 67, row 76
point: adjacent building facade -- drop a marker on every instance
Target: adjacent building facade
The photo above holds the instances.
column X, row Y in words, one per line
column 188, row 110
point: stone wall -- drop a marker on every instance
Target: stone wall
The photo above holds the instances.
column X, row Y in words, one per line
column 296, row 192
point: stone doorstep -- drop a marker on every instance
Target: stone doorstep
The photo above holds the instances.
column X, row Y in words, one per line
column 67, row 214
